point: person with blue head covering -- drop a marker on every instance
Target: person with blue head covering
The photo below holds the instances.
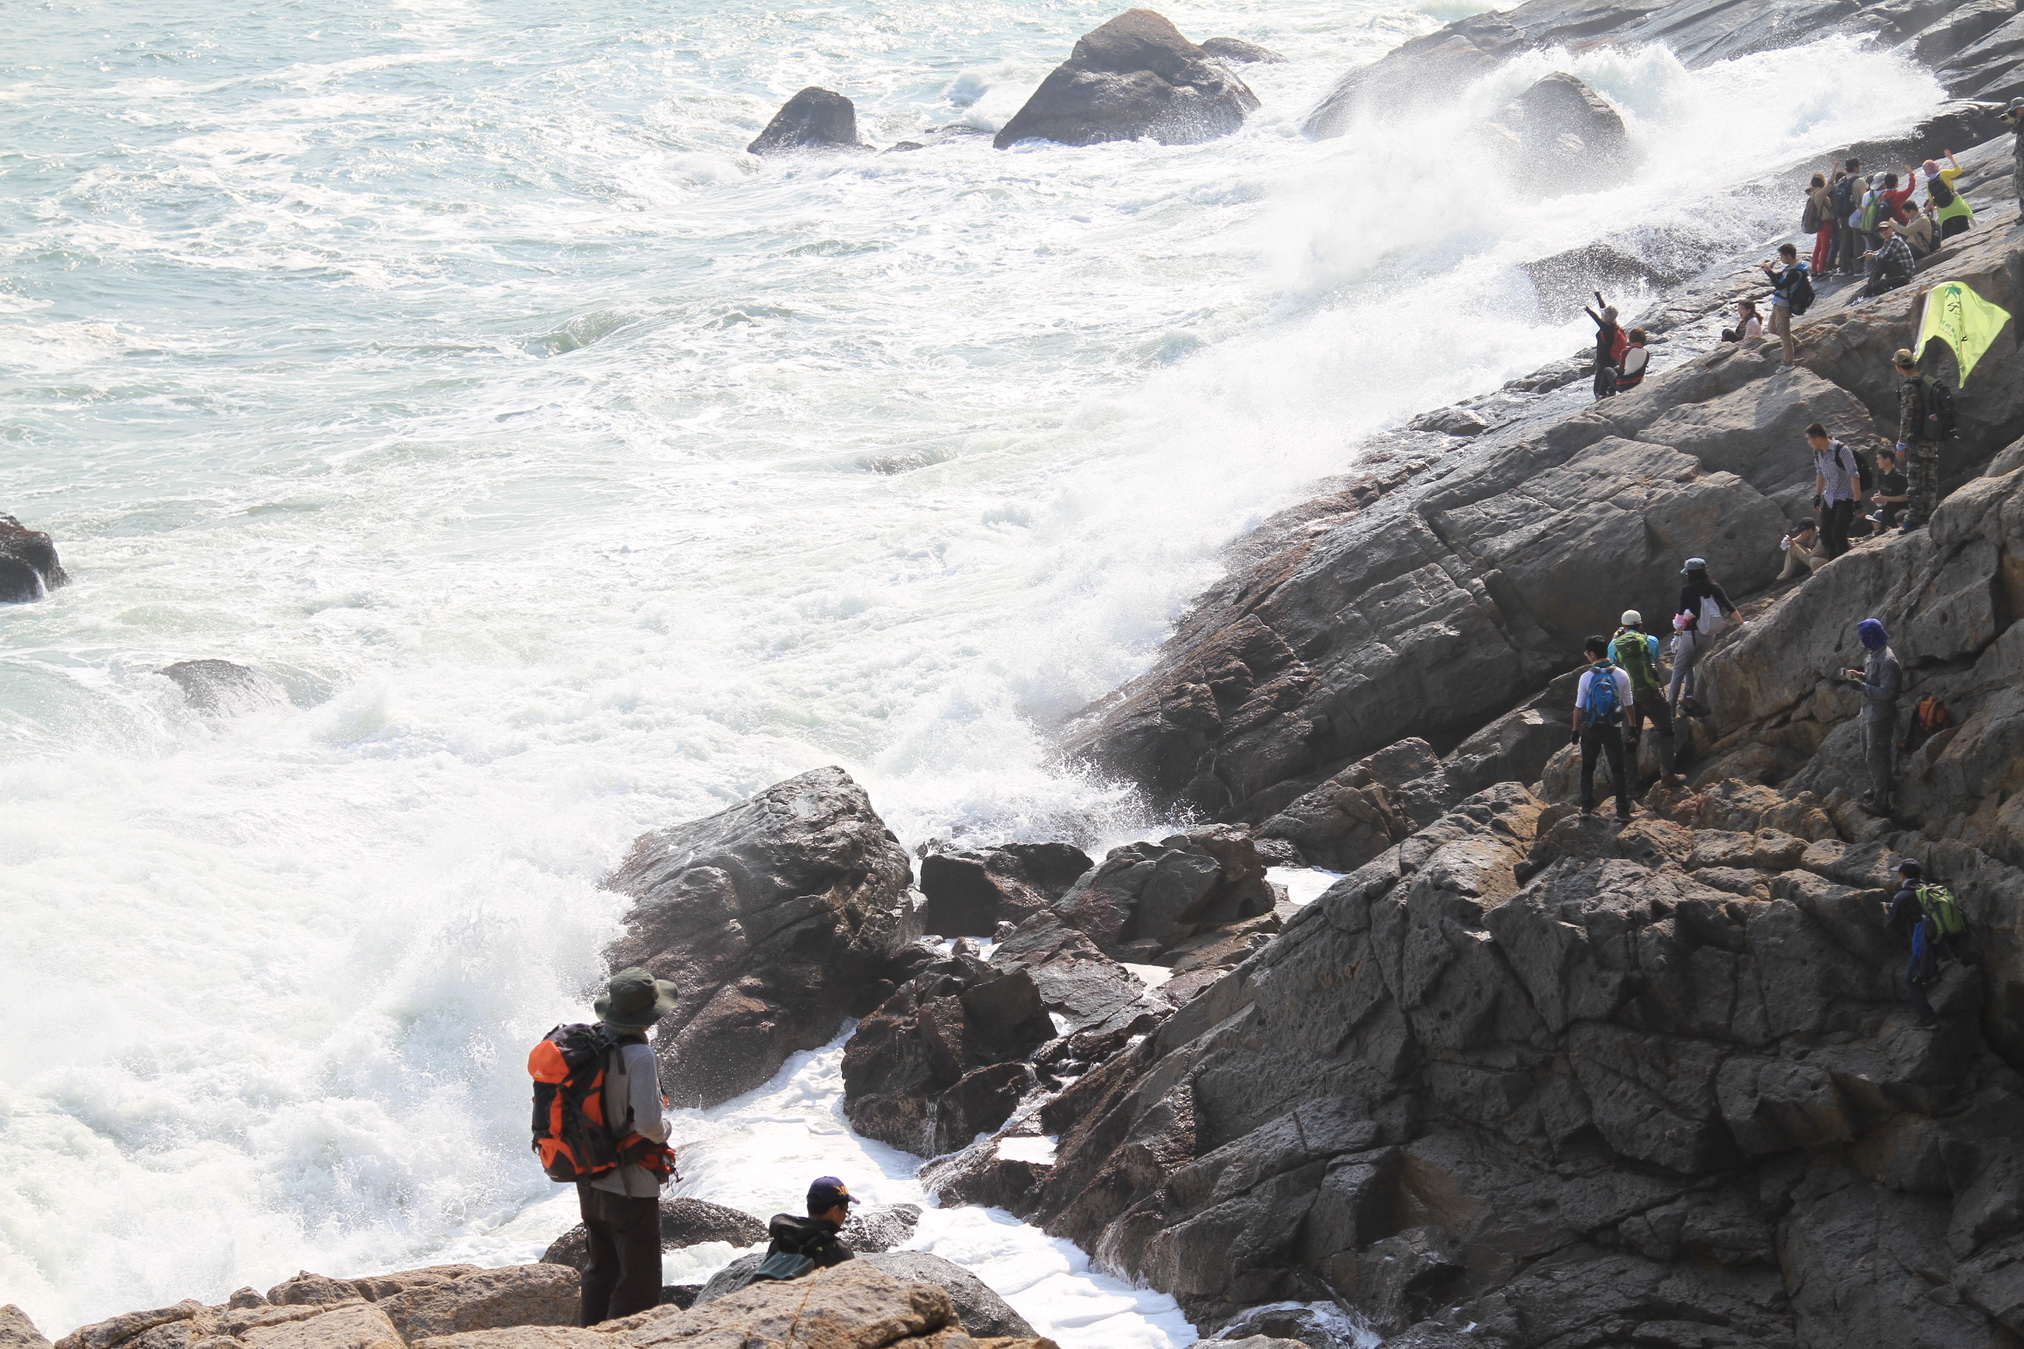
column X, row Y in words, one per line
column 1882, row 679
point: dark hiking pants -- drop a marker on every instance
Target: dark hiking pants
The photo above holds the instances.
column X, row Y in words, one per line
column 1649, row 705
column 1609, row 741
column 625, row 1254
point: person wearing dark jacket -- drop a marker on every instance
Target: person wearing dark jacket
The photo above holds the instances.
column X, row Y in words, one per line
column 1695, row 625
column 1784, row 276
column 1919, row 457
column 1882, row 679
column 815, row 1236
column 1607, row 335
column 1904, row 913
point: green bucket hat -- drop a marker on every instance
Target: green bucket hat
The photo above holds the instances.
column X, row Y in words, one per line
column 635, row 999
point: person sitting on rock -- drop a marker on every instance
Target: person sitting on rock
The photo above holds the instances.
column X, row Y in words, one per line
column 1636, row 653
column 1890, row 263
column 1749, row 326
column 1891, row 492
column 1918, row 232
column 1601, row 700
column 800, row 1244
column 1630, row 371
column 1802, row 550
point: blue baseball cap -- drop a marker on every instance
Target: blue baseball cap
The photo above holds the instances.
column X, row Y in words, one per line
column 826, row 1192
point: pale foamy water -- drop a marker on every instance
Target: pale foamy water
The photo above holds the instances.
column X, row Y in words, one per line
column 574, row 472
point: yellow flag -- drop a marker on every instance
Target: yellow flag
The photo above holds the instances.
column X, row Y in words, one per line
column 1964, row 321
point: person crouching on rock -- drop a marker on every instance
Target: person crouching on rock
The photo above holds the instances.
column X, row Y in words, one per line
column 1600, row 701
column 801, row 1245
column 1890, row 263
column 1630, row 371
column 1636, row 653
column 1802, row 550
column 621, row 1207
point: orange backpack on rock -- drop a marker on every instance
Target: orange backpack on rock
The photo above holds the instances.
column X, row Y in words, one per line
column 571, row 1135
column 1929, row 718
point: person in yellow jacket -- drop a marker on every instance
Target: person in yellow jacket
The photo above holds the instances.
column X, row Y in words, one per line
column 1951, row 212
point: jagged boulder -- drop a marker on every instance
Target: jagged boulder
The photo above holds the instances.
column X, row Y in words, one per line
column 884, row 1228
column 776, row 918
column 1133, row 78
column 1561, row 136
column 28, row 565
column 1364, row 809
column 684, row 1222
column 941, row 1060
column 813, row 120
column 1147, row 898
column 972, row 1304
column 18, row 1332
column 972, row 890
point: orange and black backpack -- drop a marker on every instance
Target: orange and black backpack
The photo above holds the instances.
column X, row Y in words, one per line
column 1929, row 718
column 571, row 1135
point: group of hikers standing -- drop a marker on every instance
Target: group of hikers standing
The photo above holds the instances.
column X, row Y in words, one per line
column 601, row 1121
column 1878, row 229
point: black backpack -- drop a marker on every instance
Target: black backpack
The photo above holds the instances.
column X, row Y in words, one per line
column 1844, row 186
column 1862, row 474
column 1939, row 405
column 1799, row 295
column 1941, row 192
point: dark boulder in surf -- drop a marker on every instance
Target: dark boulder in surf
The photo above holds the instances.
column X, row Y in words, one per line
column 814, row 119
column 28, row 566
column 1235, row 49
column 684, row 1223
column 1133, row 78
column 1147, row 898
column 221, row 688
column 1561, row 136
column 776, row 918
column 972, row 890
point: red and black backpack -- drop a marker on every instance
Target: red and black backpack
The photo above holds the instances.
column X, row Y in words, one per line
column 571, row 1135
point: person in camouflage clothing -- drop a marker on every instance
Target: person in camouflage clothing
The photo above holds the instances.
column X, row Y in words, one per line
column 2014, row 115
column 1920, row 457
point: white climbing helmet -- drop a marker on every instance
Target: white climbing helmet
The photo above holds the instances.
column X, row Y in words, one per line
column 1631, row 618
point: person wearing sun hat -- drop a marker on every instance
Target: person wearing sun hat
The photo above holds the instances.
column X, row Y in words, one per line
column 1882, row 680
column 621, row 1207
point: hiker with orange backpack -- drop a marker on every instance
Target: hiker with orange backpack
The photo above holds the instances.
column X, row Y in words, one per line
column 600, row 1120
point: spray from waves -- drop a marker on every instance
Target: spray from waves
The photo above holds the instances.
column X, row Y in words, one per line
column 575, row 475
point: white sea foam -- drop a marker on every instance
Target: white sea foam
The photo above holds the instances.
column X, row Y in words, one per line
column 575, row 472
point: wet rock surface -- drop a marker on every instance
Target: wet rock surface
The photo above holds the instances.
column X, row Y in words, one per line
column 970, row 891
column 813, row 120
column 1561, row 136
column 29, row 568
column 222, row 688
column 776, row 919
column 1133, row 78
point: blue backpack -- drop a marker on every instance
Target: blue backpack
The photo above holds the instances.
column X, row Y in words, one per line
column 1602, row 704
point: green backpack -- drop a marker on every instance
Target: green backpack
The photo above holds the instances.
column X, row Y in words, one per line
column 1942, row 910
column 1633, row 652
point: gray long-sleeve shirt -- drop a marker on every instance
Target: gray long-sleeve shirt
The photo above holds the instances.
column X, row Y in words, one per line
column 632, row 1103
column 1882, row 680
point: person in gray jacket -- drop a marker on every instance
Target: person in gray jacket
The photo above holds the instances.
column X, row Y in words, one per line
column 1882, row 679
column 622, row 1207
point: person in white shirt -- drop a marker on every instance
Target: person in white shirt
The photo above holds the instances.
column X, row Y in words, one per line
column 1600, row 701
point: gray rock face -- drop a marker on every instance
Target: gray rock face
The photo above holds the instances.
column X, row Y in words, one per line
column 28, row 565
column 813, row 120
column 18, row 1332
column 1365, row 809
column 1235, row 50
column 776, row 919
column 221, row 688
column 983, row 1313
column 1561, row 136
column 972, row 890
column 1147, row 898
column 1133, row 78
column 1976, row 49
column 872, row 1230
column 684, row 1222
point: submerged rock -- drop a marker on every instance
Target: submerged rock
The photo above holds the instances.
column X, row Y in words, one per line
column 814, row 119
column 221, row 688
column 1133, row 78
column 28, row 565
column 1235, row 49
column 1561, row 136
column 776, row 918
column 871, row 1230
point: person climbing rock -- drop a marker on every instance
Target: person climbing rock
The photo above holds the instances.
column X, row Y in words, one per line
column 1801, row 548
column 1882, row 679
column 1951, row 213
column 1636, row 653
column 1704, row 612
column 1786, row 275
column 1930, row 915
column 1837, row 482
column 1630, row 371
column 621, row 1207
column 1601, row 700
column 2014, row 116
column 802, row 1244
column 1919, row 456
column 1609, row 345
